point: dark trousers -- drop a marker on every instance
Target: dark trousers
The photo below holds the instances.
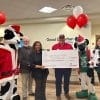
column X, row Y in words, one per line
column 40, row 89
column 91, row 70
column 98, row 76
column 98, row 72
column 59, row 74
column 90, row 73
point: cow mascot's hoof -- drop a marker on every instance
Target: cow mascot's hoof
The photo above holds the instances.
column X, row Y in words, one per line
column 92, row 96
column 15, row 97
column 82, row 94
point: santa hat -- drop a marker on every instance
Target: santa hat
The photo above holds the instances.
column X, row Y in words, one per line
column 16, row 27
column 80, row 39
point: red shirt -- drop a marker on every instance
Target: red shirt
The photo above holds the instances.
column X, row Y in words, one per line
column 59, row 46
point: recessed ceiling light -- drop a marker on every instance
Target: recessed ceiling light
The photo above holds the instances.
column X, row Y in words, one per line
column 47, row 10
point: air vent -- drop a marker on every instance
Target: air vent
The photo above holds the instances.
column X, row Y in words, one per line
column 68, row 7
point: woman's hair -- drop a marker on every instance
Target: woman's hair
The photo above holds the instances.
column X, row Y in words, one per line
column 96, row 42
column 34, row 44
column 97, row 39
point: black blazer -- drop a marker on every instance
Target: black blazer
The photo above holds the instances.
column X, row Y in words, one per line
column 36, row 59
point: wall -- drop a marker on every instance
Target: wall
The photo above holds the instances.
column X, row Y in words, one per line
column 95, row 31
column 48, row 33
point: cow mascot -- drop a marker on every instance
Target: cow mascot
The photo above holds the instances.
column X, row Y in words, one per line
column 95, row 60
column 9, row 68
column 85, row 70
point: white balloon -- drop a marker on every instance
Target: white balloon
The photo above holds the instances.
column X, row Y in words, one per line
column 77, row 11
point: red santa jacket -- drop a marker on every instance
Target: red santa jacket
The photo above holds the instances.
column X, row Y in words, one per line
column 5, row 63
column 8, row 63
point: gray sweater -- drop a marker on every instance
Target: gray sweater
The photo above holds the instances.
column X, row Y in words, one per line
column 24, row 58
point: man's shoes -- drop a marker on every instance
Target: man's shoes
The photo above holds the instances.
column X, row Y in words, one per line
column 31, row 94
column 58, row 97
column 67, row 96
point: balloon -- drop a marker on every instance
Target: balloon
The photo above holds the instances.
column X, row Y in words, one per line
column 77, row 11
column 82, row 20
column 2, row 18
column 71, row 22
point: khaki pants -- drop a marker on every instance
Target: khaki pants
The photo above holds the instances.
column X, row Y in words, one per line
column 26, row 84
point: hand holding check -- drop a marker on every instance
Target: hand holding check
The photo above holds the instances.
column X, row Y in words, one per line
column 39, row 66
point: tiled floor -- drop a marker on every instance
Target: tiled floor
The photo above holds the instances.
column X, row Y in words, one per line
column 51, row 91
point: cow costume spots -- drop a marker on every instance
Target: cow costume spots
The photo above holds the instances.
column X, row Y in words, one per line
column 9, row 68
column 84, row 68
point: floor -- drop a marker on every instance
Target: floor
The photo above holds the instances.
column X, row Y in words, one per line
column 50, row 91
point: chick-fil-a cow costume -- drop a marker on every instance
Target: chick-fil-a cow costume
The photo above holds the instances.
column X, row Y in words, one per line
column 85, row 70
column 9, row 69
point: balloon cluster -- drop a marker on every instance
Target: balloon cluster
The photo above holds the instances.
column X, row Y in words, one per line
column 78, row 18
column 2, row 18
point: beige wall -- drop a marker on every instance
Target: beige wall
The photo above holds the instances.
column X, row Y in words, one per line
column 42, row 32
column 51, row 30
column 95, row 31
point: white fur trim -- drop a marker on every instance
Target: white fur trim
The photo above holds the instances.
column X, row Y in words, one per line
column 6, row 79
column 16, row 76
column 81, row 42
column 3, row 47
column 10, row 28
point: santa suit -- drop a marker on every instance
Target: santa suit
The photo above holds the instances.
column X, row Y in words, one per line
column 8, row 69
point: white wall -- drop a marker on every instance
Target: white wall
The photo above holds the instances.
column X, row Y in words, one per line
column 42, row 32
column 95, row 31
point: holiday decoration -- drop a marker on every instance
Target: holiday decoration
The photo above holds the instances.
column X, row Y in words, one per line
column 82, row 20
column 78, row 18
column 71, row 22
column 2, row 18
column 77, row 11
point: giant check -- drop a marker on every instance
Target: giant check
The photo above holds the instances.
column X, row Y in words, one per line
column 60, row 59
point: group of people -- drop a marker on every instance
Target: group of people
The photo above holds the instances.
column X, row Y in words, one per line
column 30, row 59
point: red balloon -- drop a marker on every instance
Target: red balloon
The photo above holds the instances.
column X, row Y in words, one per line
column 82, row 20
column 2, row 18
column 71, row 22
